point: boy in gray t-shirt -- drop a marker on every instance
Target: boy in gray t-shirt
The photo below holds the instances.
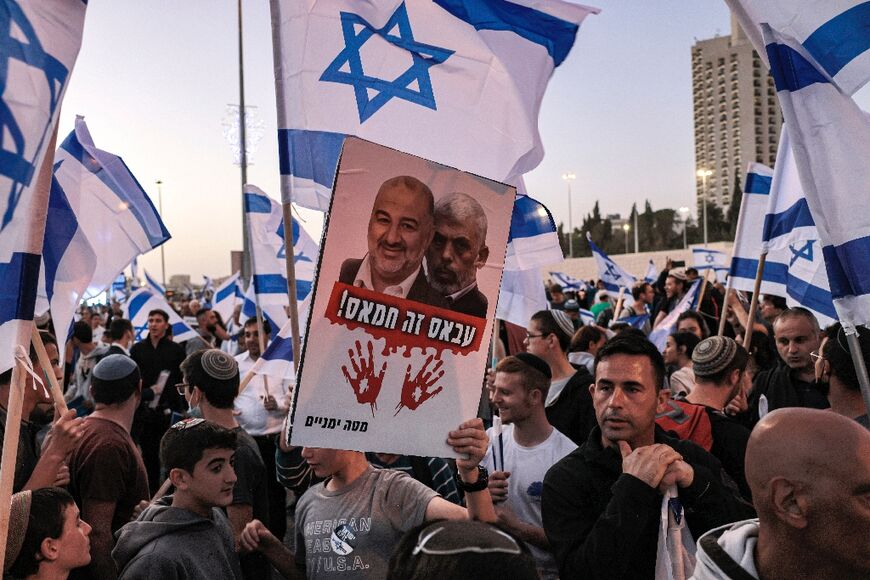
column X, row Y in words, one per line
column 348, row 525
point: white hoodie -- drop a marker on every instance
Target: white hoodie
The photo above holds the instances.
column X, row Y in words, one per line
column 738, row 542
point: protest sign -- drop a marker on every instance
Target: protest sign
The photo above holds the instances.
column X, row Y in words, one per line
column 403, row 303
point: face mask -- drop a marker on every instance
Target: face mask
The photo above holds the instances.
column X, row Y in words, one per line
column 193, row 410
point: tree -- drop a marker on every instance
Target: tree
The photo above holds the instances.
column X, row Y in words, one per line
column 734, row 208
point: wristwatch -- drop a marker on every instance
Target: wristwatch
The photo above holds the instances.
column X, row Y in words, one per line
column 479, row 485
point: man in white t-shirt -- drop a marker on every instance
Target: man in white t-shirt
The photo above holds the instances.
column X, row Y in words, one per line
column 519, row 458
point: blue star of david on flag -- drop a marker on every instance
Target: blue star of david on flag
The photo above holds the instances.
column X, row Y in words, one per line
column 806, row 252
column 423, row 56
column 613, row 272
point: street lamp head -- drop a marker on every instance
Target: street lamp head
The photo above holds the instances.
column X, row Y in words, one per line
column 569, row 176
column 626, row 227
column 684, row 212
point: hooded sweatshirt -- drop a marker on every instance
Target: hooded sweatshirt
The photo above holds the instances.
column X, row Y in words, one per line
column 173, row 544
column 728, row 553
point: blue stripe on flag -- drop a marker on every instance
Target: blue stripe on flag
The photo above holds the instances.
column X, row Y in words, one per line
column 780, row 224
column 756, row 183
column 309, row 154
column 179, row 328
column 60, row 228
column 790, row 70
column 806, row 294
column 142, row 207
column 136, row 304
column 554, row 34
column 20, row 278
column 255, row 203
column 838, row 41
column 280, row 349
column 747, row 267
column 270, row 284
column 530, row 218
column 226, row 292
column 848, row 273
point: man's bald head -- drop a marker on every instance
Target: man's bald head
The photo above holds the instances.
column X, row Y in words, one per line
column 809, row 471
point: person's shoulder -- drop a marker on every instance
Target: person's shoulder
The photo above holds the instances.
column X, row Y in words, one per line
column 691, row 451
column 571, row 468
column 562, row 443
column 348, row 270
column 157, row 559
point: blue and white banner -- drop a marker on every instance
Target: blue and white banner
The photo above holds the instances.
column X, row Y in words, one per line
column 652, row 273
column 611, row 274
column 153, row 284
column 266, row 226
column 833, row 32
column 227, row 296
column 39, row 43
column 116, row 214
column 659, row 335
column 417, row 76
column 830, row 138
column 277, row 360
column 520, row 295
column 568, row 283
column 533, row 241
column 119, row 288
column 68, row 263
column 586, row 317
column 637, row 321
column 714, row 260
column 143, row 301
column 207, row 288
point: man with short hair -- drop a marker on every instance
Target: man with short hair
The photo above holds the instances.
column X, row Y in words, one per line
column 771, row 307
column 809, row 471
column 835, row 367
column 602, row 503
column 644, row 295
column 676, row 285
column 793, row 384
column 155, row 354
column 90, row 353
column 211, row 383
column 206, row 325
column 458, row 250
column 519, row 457
column 186, row 535
column 557, row 297
column 400, row 230
column 568, row 402
column 719, row 364
column 107, row 476
column 120, row 336
column 584, row 346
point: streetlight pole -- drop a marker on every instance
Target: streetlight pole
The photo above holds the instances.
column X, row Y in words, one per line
column 684, row 213
column 625, row 228
column 569, row 177
column 162, row 246
column 704, row 174
column 243, row 147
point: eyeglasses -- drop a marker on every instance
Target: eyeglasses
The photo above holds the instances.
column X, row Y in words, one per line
column 182, row 388
column 187, row 423
column 530, row 336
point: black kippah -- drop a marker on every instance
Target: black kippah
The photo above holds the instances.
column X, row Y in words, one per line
column 536, row 363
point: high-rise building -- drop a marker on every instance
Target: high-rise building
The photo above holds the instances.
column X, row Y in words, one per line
column 737, row 116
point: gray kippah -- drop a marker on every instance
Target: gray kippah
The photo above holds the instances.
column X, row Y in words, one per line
column 536, row 363
column 564, row 322
column 114, row 367
column 713, row 355
column 571, row 305
column 219, row 365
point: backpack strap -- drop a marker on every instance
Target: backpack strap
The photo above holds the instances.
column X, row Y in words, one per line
column 720, row 557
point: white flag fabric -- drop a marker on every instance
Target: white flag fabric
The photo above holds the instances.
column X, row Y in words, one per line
column 277, row 360
column 152, row 283
column 830, row 138
column 459, row 82
column 116, row 214
column 833, row 32
column 227, row 296
column 567, row 282
column 659, row 335
column 611, row 274
column 39, row 44
column 713, row 260
column 652, row 273
column 521, row 295
column 142, row 302
column 266, row 227
column 533, row 241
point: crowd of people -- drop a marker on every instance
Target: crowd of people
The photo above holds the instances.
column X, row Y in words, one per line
column 587, row 436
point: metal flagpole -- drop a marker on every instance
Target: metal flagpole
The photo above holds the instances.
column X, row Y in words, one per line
column 858, row 360
column 753, row 305
column 724, row 314
column 162, row 246
column 243, row 153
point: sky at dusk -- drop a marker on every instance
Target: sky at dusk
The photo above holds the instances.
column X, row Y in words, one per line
column 154, row 79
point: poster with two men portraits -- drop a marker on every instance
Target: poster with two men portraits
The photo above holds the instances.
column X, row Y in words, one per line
column 398, row 338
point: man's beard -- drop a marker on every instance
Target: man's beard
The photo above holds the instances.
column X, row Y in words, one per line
column 448, row 288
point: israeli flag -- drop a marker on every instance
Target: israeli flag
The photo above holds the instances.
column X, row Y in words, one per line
column 611, row 274
column 830, row 138
column 39, row 43
column 153, row 284
column 116, row 214
column 833, row 33
column 635, row 321
column 652, row 273
column 227, row 295
column 266, row 227
column 207, row 288
column 659, row 335
column 712, row 260
column 521, row 295
column 119, row 288
column 277, row 360
column 586, row 317
column 143, row 301
column 567, row 282
column 68, row 263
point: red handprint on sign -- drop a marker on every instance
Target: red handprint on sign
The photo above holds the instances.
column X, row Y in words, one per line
column 416, row 391
column 365, row 383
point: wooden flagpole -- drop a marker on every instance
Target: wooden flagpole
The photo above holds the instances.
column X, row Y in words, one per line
column 724, row 314
column 11, row 434
column 619, row 301
column 753, row 305
column 702, row 291
column 45, row 363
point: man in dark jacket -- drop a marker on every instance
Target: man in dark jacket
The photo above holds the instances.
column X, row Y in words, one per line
column 602, row 503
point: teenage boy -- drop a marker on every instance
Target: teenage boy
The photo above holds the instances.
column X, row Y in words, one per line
column 347, row 526
column 186, row 535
